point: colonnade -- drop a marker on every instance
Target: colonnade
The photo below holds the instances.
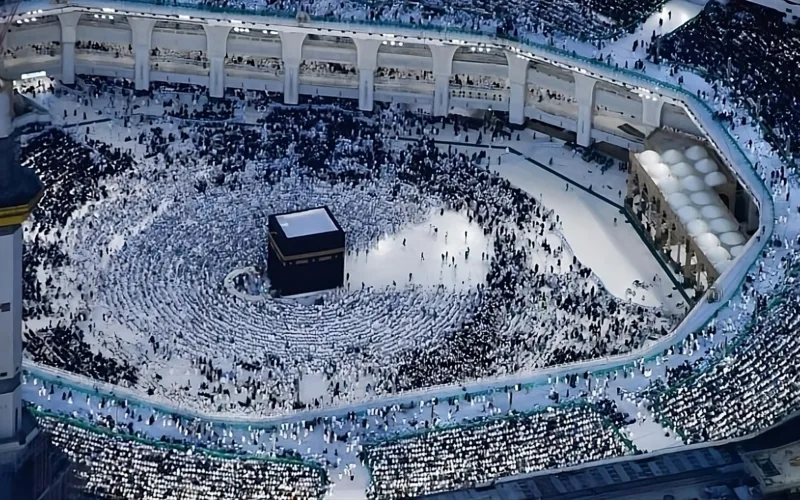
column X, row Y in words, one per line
column 367, row 63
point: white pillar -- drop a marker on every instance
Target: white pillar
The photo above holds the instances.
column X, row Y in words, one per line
column 6, row 109
column 367, row 64
column 651, row 111
column 142, row 37
column 292, row 55
column 584, row 93
column 10, row 329
column 217, row 49
column 442, row 70
column 69, row 34
column 518, row 81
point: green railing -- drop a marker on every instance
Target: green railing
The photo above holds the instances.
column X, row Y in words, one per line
column 218, row 454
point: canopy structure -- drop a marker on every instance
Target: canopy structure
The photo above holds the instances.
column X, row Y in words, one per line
column 696, row 227
column 658, row 171
column 711, row 212
column 668, row 185
column 682, row 169
column 706, row 242
column 696, row 153
column 715, row 179
column 647, row 158
column 678, row 200
column 732, row 239
column 687, row 214
column 672, row 157
column 722, row 266
column 692, row 183
column 702, row 198
column 706, row 166
column 717, row 254
column 722, row 225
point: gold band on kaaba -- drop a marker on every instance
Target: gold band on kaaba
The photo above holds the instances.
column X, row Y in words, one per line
column 303, row 256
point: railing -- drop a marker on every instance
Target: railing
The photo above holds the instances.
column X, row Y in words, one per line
column 222, row 455
column 730, row 282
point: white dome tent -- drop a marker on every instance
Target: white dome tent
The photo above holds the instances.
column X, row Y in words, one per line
column 716, row 255
column 672, row 157
column 696, row 153
column 658, row 171
column 681, row 170
column 693, row 183
column 687, row 214
column 668, row 185
column 722, row 225
column 706, row 166
column 732, row 239
column 715, row 179
column 649, row 157
column 737, row 251
column 678, row 200
column 702, row 198
column 706, row 242
column 711, row 212
column 722, row 265
column 696, row 227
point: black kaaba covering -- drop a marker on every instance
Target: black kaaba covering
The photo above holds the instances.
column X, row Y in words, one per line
column 306, row 253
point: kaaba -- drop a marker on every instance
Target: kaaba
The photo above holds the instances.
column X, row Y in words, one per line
column 306, row 252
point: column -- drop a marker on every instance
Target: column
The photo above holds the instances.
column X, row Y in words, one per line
column 584, row 93
column 518, row 81
column 367, row 64
column 442, row 69
column 10, row 328
column 292, row 55
column 142, row 38
column 651, row 111
column 216, row 49
column 6, row 109
column 69, row 33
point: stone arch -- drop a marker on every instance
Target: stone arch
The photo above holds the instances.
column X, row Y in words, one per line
column 404, row 65
column 178, row 47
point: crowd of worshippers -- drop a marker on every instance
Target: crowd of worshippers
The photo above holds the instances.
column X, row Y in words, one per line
column 115, row 466
column 596, row 19
column 559, row 317
column 751, row 51
column 753, row 386
column 449, row 459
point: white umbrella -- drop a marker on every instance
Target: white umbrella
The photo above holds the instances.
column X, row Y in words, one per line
column 649, row 157
column 678, row 200
column 668, row 185
column 658, row 171
column 682, row 169
column 702, row 198
column 715, row 179
column 722, row 225
column 695, row 153
column 706, row 166
column 722, row 266
column 737, row 251
column 706, row 242
column 696, row 227
column 732, row 239
column 672, row 157
column 711, row 212
column 687, row 214
column 692, row 183
column 717, row 254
